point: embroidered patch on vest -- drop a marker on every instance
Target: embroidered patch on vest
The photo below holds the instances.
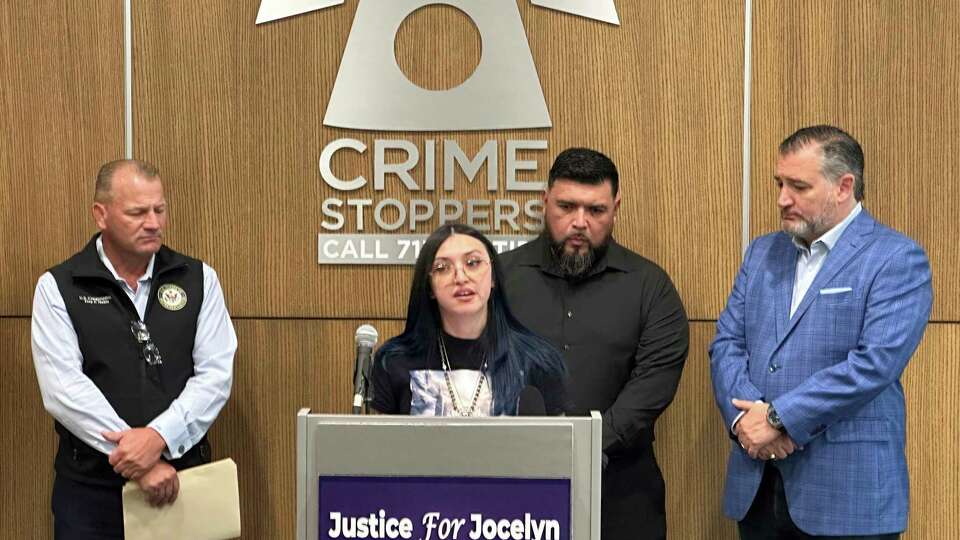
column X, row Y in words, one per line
column 172, row 297
column 98, row 300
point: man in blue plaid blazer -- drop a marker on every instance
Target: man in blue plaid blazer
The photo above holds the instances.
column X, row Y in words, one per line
column 806, row 362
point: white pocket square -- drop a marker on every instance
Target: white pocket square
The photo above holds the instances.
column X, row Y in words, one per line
column 835, row 290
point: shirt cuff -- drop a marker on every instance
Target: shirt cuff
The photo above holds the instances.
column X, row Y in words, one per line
column 734, row 423
column 737, row 419
column 173, row 433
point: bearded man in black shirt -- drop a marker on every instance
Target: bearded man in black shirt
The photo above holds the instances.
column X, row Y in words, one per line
column 619, row 323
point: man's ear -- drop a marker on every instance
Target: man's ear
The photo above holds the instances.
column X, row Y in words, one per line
column 845, row 186
column 99, row 212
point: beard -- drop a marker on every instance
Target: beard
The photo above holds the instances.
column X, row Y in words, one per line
column 577, row 264
column 808, row 230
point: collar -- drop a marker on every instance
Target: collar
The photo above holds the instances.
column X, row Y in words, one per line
column 90, row 262
column 539, row 255
column 147, row 276
column 830, row 238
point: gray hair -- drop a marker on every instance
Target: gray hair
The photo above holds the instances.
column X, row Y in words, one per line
column 842, row 153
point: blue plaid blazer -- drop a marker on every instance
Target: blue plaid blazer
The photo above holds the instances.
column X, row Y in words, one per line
column 832, row 371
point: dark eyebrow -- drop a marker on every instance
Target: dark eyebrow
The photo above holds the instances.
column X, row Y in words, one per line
column 465, row 255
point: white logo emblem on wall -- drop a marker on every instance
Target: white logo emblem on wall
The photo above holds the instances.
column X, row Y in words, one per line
column 372, row 93
column 172, row 297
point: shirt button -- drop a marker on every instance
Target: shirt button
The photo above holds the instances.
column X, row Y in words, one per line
column 773, row 368
column 566, row 347
column 570, row 314
column 180, row 449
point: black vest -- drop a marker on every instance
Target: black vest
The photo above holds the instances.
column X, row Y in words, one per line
column 101, row 313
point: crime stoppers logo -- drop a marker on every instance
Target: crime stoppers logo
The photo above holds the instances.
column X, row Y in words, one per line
column 372, row 93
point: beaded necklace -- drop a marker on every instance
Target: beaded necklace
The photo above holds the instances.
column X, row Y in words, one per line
column 452, row 390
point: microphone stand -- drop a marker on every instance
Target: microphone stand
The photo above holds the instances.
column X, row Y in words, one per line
column 366, row 339
column 365, row 397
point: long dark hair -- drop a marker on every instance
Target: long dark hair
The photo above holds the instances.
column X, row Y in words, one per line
column 515, row 355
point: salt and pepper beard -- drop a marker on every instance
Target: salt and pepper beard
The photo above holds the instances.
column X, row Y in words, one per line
column 813, row 228
column 576, row 265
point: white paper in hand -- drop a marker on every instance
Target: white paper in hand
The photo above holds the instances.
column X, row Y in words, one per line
column 207, row 507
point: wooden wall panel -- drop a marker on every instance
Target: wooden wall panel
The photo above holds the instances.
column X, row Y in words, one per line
column 932, row 387
column 232, row 113
column 61, row 113
column 28, row 436
column 692, row 449
column 887, row 73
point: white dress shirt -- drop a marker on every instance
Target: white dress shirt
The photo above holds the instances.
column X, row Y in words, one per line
column 76, row 402
column 810, row 259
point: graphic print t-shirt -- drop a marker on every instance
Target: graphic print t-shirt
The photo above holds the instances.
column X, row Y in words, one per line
column 418, row 386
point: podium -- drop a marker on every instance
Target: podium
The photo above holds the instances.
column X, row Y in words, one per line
column 446, row 478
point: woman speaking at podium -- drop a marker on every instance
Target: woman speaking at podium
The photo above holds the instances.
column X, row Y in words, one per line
column 462, row 352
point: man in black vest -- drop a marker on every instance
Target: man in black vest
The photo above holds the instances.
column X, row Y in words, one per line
column 133, row 348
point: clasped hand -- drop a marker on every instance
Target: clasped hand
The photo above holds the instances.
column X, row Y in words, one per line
column 137, row 451
column 161, row 484
column 757, row 436
column 137, row 457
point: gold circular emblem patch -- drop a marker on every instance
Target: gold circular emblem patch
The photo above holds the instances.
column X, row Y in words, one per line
column 172, row 297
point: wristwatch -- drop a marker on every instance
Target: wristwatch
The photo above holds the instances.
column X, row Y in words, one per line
column 773, row 418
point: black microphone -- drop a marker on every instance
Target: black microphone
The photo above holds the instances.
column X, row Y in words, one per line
column 366, row 338
column 530, row 402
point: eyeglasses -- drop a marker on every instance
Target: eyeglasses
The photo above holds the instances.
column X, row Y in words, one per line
column 149, row 351
column 473, row 268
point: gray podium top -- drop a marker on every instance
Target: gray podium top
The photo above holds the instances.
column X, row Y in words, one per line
column 413, row 446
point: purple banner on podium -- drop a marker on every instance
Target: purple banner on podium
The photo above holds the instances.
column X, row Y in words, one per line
column 443, row 508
